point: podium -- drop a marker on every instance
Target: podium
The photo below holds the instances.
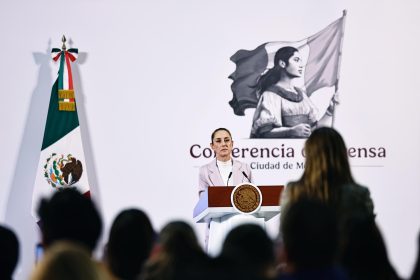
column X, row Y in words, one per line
column 215, row 208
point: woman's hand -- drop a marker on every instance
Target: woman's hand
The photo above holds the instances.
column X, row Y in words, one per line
column 335, row 99
column 301, row 130
column 333, row 102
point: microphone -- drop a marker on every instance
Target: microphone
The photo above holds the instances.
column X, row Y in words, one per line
column 230, row 175
column 246, row 176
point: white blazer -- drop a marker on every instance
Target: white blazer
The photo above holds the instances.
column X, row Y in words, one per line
column 209, row 175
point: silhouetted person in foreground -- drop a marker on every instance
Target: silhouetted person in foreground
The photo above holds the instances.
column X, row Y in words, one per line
column 9, row 252
column 129, row 245
column 327, row 176
column 310, row 240
column 69, row 215
column 248, row 253
column 178, row 255
column 363, row 253
column 66, row 260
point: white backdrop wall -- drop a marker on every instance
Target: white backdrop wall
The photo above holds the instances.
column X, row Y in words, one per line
column 151, row 82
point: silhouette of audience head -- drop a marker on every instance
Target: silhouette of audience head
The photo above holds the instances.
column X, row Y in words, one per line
column 178, row 255
column 67, row 261
column 130, row 241
column 327, row 164
column 248, row 248
column 326, row 167
column 327, row 146
column 364, row 253
column 178, row 238
column 69, row 215
column 309, row 232
column 9, row 252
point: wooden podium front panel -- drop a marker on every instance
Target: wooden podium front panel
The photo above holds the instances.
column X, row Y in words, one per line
column 220, row 196
column 271, row 195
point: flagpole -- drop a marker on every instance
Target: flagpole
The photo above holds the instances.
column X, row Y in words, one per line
column 339, row 66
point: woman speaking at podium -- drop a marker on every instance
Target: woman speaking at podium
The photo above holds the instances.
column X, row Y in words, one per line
column 223, row 170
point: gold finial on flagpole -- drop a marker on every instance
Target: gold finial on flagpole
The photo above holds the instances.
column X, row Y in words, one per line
column 64, row 43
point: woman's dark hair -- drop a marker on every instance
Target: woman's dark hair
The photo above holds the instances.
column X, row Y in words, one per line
column 9, row 248
column 249, row 247
column 219, row 129
column 273, row 75
column 363, row 252
column 309, row 229
column 178, row 255
column 130, row 242
column 327, row 168
column 72, row 216
column 178, row 239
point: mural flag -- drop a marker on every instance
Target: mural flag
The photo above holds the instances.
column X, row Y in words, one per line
column 321, row 54
column 62, row 161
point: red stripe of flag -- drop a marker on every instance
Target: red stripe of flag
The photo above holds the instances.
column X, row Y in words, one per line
column 57, row 56
column 71, row 56
column 69, row 70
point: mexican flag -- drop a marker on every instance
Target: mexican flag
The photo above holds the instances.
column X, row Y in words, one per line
column 62, row 161
column 320, row 53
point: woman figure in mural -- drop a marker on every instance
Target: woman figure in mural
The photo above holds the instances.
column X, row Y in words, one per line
column 284, row 110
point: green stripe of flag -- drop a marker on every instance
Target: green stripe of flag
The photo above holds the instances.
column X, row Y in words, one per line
column 59, row 123
column 61, row 71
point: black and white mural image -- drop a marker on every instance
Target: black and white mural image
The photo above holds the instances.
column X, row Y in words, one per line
column 278, row 79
